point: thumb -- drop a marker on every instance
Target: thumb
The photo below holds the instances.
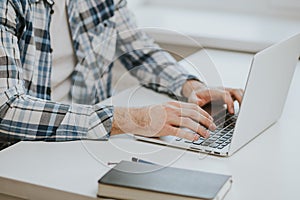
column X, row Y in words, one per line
column 196, row 100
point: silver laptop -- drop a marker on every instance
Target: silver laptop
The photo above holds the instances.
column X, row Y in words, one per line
column 266, row 90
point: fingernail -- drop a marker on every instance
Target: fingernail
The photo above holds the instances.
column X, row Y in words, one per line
column 232, row 110
column 196, row 137
column 212, row 126
column 206, row 134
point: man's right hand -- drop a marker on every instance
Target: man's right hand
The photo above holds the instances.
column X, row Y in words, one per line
column 184, row 120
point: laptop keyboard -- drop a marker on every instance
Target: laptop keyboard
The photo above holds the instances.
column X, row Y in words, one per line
column 219, row 138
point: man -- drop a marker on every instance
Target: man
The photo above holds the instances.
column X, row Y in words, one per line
column 98, row 30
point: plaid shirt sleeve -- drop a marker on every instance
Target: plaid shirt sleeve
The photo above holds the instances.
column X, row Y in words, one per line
column 154, row 67
column 23, row 117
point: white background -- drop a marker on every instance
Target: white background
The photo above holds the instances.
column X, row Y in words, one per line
column 285, row 8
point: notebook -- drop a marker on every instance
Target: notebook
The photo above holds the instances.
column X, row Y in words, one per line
column 131, row 180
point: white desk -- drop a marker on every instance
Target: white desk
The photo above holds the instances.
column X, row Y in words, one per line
column 267, row 168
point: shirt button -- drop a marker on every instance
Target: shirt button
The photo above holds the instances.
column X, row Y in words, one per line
column 105, row 24
column 51, row 50
column 51, row 11
column 50, row 2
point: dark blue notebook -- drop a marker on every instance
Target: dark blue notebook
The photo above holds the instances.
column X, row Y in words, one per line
column 130, row 180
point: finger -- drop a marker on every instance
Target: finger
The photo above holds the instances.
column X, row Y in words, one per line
column 179, row 132
column 192, row 125
column 214, row 94
column 229, row 102
column 195, row 107
column 238, row 94
column 196, row 98
column 204, row 96
column 198, row 118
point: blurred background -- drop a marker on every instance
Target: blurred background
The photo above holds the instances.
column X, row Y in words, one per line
column 231, row 25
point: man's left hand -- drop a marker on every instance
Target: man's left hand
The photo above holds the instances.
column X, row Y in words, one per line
column 198, row 93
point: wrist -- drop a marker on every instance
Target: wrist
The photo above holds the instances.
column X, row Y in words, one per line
column 130, row 120
column 190, row 86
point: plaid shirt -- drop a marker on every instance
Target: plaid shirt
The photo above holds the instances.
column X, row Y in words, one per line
column 101, row 31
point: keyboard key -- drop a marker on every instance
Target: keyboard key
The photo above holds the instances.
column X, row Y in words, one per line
column 214, row 145
column 226, row 136
column 231, row 126
column 205, row 143
column 228, row 142
column 198, row 142
column 210, row 141
column 215, row 138
column 219, row 134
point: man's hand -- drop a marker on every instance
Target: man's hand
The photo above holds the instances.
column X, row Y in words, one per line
column 198, row 93
column 166, row 119
column 170, row 118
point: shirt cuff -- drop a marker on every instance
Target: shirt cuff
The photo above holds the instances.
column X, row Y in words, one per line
column 177, row 86
column 100, row 122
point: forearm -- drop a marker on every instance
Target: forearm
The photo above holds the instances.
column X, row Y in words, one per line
column 130, row 120
column 27, row 118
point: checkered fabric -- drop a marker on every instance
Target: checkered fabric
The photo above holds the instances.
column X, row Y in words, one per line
column 102, row 31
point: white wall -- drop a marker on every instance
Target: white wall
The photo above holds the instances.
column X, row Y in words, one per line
column 288, row 8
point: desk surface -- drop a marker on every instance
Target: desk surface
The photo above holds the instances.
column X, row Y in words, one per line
column 267, row 168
